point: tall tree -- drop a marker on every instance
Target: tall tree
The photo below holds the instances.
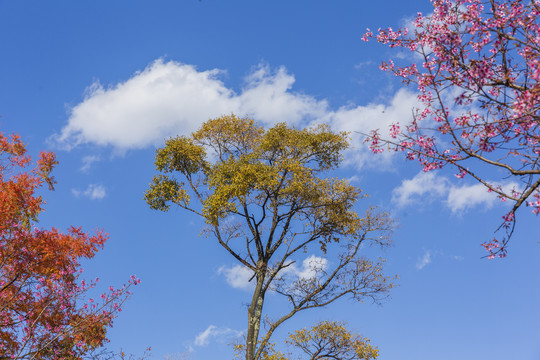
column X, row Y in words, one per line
column 43, row 314
column 265, row 198
column 479, row 84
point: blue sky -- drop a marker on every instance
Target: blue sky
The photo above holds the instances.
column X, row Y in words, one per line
column 103, row 83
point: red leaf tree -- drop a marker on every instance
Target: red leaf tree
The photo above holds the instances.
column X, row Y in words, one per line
column 45, row 312
column 477, row 70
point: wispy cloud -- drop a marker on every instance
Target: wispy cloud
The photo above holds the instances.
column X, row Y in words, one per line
column 424, row 260
column 363, row 64
column 88, row 161
column 93, row 192
column 171, row 98
column 215, row 333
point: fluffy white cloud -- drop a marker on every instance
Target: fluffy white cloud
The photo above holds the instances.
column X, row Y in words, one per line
column 412, row 190
column 93, row 192
column 267, row 97
column 426, row 187
column 467, row 196
column 170, row 98
column 238, row 276
column 363, row 119
column 424, row 260
column 311, row 266
column 161, row 100
column 217, row 333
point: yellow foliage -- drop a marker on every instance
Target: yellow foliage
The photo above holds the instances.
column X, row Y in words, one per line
column 269, row 352
column 332, row 340
column 164, row 189
column 252, row 164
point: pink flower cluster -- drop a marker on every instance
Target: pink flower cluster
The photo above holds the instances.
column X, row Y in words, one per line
column 479, row 82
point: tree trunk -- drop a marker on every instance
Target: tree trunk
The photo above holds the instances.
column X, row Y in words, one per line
column 254, row 317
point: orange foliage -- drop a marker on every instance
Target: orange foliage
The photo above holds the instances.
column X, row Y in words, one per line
column 42, row 309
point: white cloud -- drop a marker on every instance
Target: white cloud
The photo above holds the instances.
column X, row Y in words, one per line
column 363, row 119
column 424, row 260
column 93, row 192
column 218, row 333
column 88, row 161
column 311, row 267
column 170, row 98
column 422, row 184
column 238, row 276
column 267, row 97
column 426, row 187
column 204, row 337
column 467, row 196
column 163, row 99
